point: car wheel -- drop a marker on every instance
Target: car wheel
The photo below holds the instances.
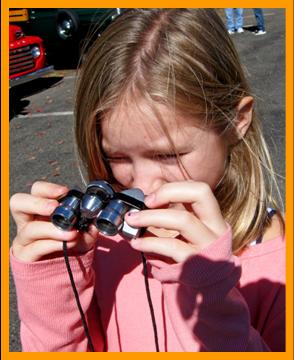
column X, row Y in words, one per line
column 67, row 24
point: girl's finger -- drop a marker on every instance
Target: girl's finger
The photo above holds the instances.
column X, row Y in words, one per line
column 92, row 232
column 25, row 206
column 48, row 190
column 36, row 250
column 192, row 229
column 198, row 194
column 170, row 247
column 87, row 239
column 37, row 230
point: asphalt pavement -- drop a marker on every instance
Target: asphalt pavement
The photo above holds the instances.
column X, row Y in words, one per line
column 41, row 120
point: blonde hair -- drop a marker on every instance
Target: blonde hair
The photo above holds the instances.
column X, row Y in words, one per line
column 182, row 58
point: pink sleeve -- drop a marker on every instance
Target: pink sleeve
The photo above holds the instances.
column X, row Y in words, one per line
column 50, row 320
column 207, row 312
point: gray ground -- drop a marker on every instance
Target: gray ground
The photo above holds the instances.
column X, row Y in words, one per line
column 41, row 121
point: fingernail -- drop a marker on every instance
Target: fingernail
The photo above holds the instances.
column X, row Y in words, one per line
column 62, row 190
column 132, row 214
column 51, row 204
column 149, row 199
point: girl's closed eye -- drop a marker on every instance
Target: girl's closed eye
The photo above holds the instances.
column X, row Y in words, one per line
column 169, row 157
column 117, row 159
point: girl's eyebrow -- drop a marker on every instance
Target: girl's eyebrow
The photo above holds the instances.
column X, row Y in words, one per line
column 150, row 151
column 157, row 146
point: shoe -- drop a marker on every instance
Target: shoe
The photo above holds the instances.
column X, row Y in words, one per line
column 260, row 32
column 231, row 32
column 240, row 30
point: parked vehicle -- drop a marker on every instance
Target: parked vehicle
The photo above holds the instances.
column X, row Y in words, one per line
column 64, row 31
column 27, row 58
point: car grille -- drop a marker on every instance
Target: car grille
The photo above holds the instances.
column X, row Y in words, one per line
column 20, row 60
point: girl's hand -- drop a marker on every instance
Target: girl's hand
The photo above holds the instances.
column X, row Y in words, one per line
column 36, row 236
column 199, row 223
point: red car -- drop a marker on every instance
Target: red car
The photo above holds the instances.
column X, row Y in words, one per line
column 27, row 58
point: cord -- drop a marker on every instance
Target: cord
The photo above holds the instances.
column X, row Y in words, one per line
column 65, row 254
column 150, row 301
column 86, row 329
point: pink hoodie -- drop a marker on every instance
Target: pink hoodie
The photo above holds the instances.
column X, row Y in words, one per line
column 213, row 302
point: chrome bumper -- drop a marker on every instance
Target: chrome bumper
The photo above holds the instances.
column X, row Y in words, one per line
column 31, row 76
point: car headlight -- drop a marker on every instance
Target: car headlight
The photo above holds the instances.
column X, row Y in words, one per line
column 35, row 50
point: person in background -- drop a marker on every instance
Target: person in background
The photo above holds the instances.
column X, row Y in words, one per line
column 259, row 21
column 234, row 17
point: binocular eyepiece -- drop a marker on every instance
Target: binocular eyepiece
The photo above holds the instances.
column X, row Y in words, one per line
column 101, row 205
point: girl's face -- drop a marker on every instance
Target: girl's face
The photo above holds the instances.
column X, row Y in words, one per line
column 140, row 154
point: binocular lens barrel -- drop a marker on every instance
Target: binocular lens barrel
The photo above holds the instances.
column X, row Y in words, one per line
column 64, row 218
column 65, row 215
column 110, row 219
column 106, row 227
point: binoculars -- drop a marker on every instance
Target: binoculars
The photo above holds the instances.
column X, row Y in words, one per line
column 100, row 205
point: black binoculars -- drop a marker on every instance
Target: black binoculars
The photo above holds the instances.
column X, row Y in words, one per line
column 100, row 205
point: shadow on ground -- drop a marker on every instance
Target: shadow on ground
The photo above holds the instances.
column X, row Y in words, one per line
column 18, row 94
column 250, row 28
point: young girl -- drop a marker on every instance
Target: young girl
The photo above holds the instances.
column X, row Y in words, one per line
column 162, row 105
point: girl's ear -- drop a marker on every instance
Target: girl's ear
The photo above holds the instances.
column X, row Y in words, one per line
column 244, row 116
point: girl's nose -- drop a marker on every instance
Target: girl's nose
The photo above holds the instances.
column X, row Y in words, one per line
column 147, row 177
column 147, row 185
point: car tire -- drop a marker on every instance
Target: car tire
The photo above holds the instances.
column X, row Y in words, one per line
column 67, row 24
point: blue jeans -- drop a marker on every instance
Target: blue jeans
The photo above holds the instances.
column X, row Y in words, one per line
column 230, row 16
column 259, row 19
